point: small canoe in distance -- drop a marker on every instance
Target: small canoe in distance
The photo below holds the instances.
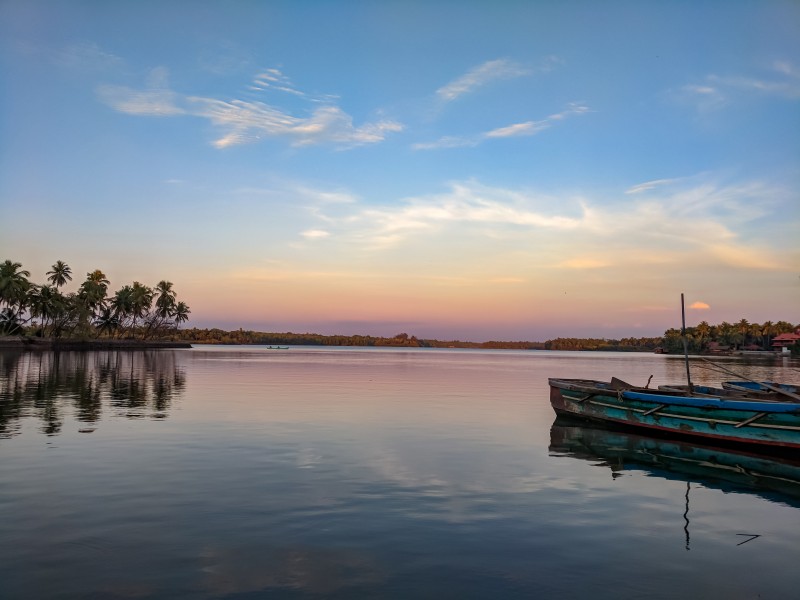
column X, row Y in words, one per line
column 277, row 347
column 739, row 420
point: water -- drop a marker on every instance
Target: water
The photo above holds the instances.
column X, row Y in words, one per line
column 243, row 472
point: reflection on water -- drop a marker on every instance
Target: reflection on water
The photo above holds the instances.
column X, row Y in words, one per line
column 361, row 473
column 133, row 384
column 731, row 470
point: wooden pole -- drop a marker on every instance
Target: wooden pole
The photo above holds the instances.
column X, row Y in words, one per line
column 685, row 346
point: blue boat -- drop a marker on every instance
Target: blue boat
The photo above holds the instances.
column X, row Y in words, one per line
column 760, row 386
column 734, row 419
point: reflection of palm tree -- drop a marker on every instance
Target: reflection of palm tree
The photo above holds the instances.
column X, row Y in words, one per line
column 60, row 274
column 42, row 384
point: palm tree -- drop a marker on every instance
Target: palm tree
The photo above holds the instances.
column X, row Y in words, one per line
column 122, row 303
column 181, row 313
column 48, row 303
column 703, row 330
column 107, row 321
column 60, row 274
column 93, row 291
column 14, row 286
column 165, row 303
column 767, row 331
column 141, row 300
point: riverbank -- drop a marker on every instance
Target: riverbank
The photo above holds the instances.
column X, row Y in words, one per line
column 44, row 344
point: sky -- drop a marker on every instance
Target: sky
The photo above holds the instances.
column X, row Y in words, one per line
column 453, row 170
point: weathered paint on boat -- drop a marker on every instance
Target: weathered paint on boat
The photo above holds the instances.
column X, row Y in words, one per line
column 742, row 421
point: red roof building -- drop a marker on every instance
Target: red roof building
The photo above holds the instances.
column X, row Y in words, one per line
column 784, row 340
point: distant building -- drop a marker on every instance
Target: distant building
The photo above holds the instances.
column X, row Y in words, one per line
column 784, row 340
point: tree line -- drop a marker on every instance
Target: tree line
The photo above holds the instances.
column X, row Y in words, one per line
column 741, row 335
column 241, row 336
column 133, row 311
column 699, row 339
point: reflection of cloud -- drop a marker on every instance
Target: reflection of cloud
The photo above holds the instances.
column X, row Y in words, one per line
column 288, row 569
column 699, row 306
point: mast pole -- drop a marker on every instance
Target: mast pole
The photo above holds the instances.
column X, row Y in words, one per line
column 685, row 345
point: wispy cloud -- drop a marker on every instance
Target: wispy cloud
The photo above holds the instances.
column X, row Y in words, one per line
column 696, row 221
column 526, row 128
column 87, row 56
column 274, row 79
column 479, row 76
column 699, row 305
column 649, row 185
column 717, row 91
column 315, row 234
column 242, row 121
column 157, row 100
column 492, row 70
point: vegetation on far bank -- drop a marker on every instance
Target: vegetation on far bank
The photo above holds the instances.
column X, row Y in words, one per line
column 700, row 339
column 135, row 311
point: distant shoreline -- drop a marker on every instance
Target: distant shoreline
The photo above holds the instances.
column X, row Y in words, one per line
column 35, row 344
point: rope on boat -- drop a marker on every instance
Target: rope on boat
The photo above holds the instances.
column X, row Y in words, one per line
column 773, row 388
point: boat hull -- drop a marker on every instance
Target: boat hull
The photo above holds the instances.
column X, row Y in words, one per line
column 728, row 421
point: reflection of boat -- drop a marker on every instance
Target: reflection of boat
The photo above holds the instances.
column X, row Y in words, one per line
column 728, row 469
column 738, row 419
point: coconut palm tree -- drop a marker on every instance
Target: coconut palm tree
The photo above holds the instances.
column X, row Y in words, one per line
column 181, row 313
column 122, row 304
column 107, row 321
column 14, row 286
column 59, row 274
column 141, row 300
column 165, row 302
column 703, row 330
column 48, row 303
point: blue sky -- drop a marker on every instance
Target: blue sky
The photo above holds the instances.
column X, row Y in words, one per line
column 471, row 170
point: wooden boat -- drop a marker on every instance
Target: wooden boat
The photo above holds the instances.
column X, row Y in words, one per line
column 761, row 386
column 732, row 392
column 740, row 419
column 743, row 470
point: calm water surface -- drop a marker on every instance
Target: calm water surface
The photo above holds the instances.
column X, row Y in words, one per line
column 243, row 472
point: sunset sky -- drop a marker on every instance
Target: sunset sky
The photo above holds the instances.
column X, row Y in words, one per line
column 458, row 170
